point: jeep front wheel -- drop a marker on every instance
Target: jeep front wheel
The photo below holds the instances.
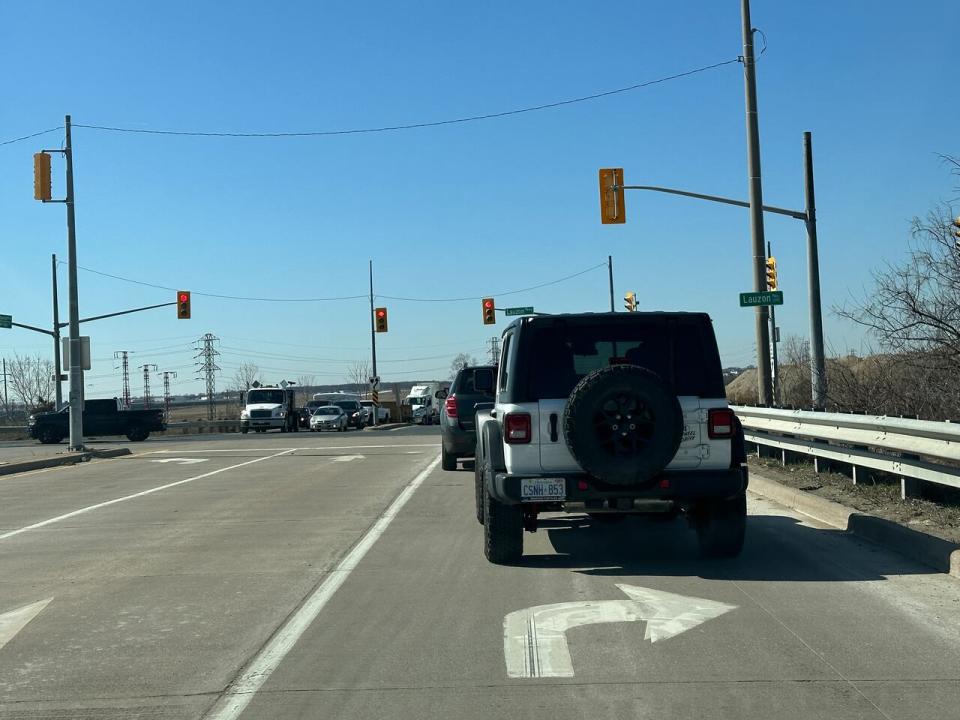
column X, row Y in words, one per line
column 502, row 531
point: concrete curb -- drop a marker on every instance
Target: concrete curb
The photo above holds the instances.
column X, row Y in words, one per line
column 936, row 552
column 60, row 460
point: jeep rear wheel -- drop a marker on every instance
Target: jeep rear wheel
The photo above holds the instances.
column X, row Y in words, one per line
column 721, row 527
column 502, row 531
column 623, row 425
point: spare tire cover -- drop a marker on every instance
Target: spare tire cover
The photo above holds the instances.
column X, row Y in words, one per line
column 623, row 424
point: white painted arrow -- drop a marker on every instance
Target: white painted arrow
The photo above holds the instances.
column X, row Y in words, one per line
column 14, row 621
column 182, row 461
column 348, row 458
column 535, row 641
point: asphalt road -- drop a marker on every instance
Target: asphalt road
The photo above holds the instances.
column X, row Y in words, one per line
column 341, row 576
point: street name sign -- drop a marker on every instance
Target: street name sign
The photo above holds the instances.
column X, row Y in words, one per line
column 751, row 299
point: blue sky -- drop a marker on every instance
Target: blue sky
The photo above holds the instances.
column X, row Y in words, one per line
column 462, row 210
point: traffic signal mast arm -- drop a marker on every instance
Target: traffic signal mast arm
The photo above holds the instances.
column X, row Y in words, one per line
column 122, row 312
column 798, row 214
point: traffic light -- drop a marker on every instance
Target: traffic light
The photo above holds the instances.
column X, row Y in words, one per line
column 183, row 304
column 612, row 208
column 380, row 319
column 489, row 311
column 771, row 273
column 630, row 301
column 42, row 189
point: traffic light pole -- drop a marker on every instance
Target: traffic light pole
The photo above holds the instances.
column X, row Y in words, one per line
column 76, row 368
column 818, row 365
column 610, row 271
column 56, row 338
column 373, row 345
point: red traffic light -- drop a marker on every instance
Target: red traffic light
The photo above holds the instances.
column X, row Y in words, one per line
column 381, row 313
column 380, row 319
column 489, row 311
column 183, row 304
column 488, row 303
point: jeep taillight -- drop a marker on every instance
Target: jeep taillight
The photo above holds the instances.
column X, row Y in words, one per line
column 450, row 405
column 720, row 423
column 516, row 428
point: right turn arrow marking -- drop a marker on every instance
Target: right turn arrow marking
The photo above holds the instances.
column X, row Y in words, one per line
column 14, row 621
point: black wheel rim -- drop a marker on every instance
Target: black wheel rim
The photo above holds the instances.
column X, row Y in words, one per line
column 623, row 423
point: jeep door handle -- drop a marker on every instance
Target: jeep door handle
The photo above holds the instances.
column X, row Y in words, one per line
column 553, row 427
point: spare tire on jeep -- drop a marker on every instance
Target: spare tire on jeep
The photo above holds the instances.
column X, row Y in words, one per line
column 623, row 424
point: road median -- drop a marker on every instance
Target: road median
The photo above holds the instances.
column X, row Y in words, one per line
column 61, row 459
column 925, row 548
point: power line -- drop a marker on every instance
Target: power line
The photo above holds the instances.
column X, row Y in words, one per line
column 417, row 125
column 346, row 297
column 32, row 135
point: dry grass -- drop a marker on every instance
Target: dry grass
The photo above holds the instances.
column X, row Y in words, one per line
column 879, row 497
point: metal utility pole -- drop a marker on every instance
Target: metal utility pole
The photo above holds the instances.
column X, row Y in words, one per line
column 774, row 339
column 610, row 272
column 167, row 374
column 207, row 368
column 146, row 384
column 76, row 359
column 764, row 388
column 122, row 355
column 818, row 368
column 373, row 350
column 6, row 399
column 58, row 390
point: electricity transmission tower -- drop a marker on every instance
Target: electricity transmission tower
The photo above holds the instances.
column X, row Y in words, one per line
column 167, row 374
column 125, row 365
column 494, row 350
column 146, row 384
column 207, row 368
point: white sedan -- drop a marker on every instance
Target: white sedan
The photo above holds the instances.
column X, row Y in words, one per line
column 328, row 417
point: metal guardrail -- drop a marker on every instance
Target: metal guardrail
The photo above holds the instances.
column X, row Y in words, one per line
column 912, row 449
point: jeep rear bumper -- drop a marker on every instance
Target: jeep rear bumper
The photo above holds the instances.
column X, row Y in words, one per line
column 585, row 494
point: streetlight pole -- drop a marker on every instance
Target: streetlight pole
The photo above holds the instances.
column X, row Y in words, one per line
column 764, row 389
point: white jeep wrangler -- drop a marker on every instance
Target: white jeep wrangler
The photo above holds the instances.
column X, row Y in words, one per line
column 610, row 414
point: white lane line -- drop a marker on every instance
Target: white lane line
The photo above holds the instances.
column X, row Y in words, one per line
column 236, row 698
column 315, row 447
column 142, row 493
column 402, row 427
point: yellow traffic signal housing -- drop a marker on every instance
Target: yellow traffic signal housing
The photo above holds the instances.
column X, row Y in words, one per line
column 630, row 301
column 612, row 208
column 771, row 273
column 183, row 304
column 489, row 311
column 380, row 319
column 42, row 186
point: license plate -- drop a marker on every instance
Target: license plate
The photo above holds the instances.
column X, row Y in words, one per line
column 542, row 489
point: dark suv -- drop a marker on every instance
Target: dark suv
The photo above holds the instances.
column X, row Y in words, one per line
column 457, row 425
column 610, row 414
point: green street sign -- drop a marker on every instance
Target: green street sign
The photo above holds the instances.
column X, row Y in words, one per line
column 751, row 299
column 6, row 321
column 519, row 311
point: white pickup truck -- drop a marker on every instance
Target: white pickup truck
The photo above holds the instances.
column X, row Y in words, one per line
column 383, row 414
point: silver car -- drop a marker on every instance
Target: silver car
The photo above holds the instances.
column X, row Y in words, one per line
column 328, row 417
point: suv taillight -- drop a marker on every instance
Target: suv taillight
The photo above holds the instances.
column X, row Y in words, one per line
column 450, row 405
column 720, row 423
column 516, row 428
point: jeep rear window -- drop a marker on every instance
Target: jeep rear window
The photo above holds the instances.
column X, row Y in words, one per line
column 683, row 354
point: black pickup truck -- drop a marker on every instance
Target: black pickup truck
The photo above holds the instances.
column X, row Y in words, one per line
column 100, row 417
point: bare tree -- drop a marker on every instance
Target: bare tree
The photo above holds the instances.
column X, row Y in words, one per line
column 359, row 372
column 245, row 376
column 31, row 379
column 460, row 361
column 306, row 381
